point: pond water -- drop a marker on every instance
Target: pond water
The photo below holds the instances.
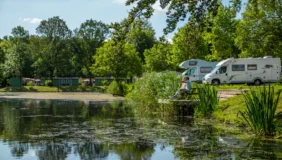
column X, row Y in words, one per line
column 50, row 129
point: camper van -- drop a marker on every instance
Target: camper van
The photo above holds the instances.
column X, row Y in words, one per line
column 196, row 69
column 245, row 70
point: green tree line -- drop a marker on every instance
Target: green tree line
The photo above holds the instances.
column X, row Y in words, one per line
column 129, row 48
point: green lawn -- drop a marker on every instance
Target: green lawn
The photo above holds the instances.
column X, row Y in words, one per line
column 228, row 112
column 53, row 89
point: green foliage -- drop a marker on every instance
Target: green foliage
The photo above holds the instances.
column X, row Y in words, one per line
column 221, row 34
column 142, row 36
column 88, row 38
column 261, row 105
column 116, row 88
column 48, row 83
column 157, row 57
column 177, row 10
column 208, row 100
column 153, row 86
column 52, row 52
column 117, row 60
column 188, row 43
column 259, row 31
column 30, row 83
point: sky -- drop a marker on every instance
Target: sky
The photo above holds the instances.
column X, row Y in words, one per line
column 29, row 13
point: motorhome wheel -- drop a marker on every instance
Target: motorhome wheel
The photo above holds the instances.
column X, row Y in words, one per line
column 257, row 82
column 215, row 82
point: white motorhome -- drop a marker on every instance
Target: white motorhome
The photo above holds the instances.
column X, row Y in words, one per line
column 245, row 70
column 197, row 69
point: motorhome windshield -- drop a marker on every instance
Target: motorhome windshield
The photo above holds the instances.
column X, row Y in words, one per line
column 215, row 69
column 219, row 70
column 191, row 71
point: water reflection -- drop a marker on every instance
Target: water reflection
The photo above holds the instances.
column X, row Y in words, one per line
column 45, row 129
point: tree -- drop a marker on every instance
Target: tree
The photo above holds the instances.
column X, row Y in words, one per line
column 188, row 43
column 222, row 34
column 156, row 58
column 178, row 10
column 93, row 33
column 117, row 60
column 142, row 36
column 260, row 33
column 54, row 55
column 17, row 56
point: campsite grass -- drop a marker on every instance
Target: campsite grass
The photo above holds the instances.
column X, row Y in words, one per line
column 53, row 89
column 228, row 111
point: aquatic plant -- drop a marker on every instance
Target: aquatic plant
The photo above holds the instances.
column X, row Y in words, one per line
column 261, row 105
column 208, row 100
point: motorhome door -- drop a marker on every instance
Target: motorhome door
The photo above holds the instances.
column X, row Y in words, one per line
column 223, row 75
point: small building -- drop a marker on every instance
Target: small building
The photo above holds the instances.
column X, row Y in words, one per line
column 63, row 81
column 16, row 82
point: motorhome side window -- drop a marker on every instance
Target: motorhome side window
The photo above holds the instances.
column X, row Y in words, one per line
column 268, row 66
column 238, row 67
column 193, row 63
column 205, row 69
column 222, row 70
column 252, row 67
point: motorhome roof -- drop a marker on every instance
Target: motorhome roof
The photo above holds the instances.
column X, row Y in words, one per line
column 186, row 64
column 224, row 61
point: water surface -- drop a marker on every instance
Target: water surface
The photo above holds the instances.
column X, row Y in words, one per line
column 52, row 129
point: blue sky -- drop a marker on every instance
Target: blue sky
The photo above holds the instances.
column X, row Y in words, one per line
column 29, row 13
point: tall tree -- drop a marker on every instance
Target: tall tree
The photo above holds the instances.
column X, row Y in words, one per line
column 17, row 55
column 142, row 36
column 111, row 61
column 93, row 33
column 221, row 34
column 54, row 55
column 260, row 32
column 188, row 43
column 156, row 58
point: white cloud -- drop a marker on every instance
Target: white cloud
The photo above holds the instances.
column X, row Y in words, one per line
column 31, row 20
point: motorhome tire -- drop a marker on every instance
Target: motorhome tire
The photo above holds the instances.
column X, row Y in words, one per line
column 257, row 82
column 215, row 82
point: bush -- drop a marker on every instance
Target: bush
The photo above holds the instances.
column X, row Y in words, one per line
column 30, row 83
column 153, row 86
column 116, row 88
column 208, row 100
column 48, row 83
column 261, row 108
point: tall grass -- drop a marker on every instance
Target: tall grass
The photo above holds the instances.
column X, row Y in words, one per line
column 208, row 100
column 261, row 105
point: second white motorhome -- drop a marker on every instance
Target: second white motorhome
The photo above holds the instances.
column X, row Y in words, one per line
column 196, row 69
column 245, row 70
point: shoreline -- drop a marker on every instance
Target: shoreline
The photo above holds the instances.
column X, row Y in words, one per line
column 80, row 96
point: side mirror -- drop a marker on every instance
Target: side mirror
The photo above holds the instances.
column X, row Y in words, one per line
column 216, row 72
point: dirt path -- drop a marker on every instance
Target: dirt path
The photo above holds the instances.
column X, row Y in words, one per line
column 224, row 94
column 90, row 96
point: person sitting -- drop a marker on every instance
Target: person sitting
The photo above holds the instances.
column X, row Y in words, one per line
column 185, row 88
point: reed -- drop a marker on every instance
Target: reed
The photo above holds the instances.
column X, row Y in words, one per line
column 208, row 100
column 261, row 105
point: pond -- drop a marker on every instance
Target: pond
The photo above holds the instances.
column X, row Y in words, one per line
column 51, row 129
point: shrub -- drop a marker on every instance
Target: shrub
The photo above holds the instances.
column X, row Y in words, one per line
column 116, row 88
column 30, row 83
column 208, row 100
column 261, row 107
column 153, row 86
column 48, row 83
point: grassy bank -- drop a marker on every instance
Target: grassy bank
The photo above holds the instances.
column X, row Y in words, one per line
column 228, row 111
column 53, row 89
